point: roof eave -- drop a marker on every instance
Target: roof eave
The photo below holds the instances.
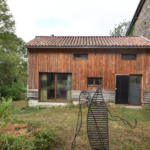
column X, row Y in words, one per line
column 89, row 47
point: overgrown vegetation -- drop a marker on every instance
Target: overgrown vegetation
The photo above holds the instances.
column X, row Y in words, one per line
column 43, row 139
column 5, row 111
column 39, row 138
column 62, row 121
column 132, row 30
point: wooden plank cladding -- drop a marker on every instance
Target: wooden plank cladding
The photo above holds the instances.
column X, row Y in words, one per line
column 108, row 95
column 32, row 94
column 101, row 62
column 146, row 98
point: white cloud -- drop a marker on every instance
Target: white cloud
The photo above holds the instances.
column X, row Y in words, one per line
column 79, row 17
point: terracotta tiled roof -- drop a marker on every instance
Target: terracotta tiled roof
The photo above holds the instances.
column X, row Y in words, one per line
column 88, row 41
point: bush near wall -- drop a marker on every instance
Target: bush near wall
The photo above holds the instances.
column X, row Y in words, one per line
column 15, row 91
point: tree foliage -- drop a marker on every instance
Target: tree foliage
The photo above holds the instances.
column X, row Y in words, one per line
column 13, row 65
column 120, row 29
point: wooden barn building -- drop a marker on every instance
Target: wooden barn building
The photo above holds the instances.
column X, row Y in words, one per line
column 60, row 67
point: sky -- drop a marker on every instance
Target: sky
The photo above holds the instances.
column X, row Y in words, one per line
column 69, row 17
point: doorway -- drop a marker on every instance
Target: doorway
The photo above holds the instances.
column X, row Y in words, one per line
column 55, row 87
column 127, row 89
column 122, row 89
column 134, row 90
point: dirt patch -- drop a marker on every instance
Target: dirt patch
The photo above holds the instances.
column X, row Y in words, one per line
column 17, row 129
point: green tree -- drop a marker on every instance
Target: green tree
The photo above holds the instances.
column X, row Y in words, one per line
column 120, row 29
column 7, row 24
column 13, row 64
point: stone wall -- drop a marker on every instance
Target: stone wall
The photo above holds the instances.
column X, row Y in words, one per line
column 142, row 25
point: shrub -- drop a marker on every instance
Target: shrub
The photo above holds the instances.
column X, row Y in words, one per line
column 13, row 142
column 44, row 140
column 5, row 91
column 15, row 91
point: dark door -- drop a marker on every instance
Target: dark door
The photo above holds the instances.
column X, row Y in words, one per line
column 122, row 87
column 134, row 91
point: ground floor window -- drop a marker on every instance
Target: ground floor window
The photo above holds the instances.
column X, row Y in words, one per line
column 94, row 81
column 55, row 86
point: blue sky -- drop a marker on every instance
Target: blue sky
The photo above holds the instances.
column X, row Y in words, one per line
column 69, row 17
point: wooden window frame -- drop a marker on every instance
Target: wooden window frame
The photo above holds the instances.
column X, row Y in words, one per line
column 95, row 85
column 55, row 94
column 80, row 58
column 128, row 58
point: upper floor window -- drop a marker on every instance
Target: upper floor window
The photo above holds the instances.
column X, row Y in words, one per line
column 128, row 56
column 80, row 56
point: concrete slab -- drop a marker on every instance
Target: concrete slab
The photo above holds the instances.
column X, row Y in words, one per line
column 33, row 103
column 133, row 107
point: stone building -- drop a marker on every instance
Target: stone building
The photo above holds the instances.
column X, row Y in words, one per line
column 140, row 24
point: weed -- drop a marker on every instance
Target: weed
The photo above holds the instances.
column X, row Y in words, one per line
column 113, row 140
column 29, row 110
column 147, row 107
column 33, row 123
column 44, row 139
column 53, row 107
column 64, row 121
column 133, row 148
column 5, row 111
column 111, row 101
column 84, row 106
column 17, row 128
column 15, row 120
column 70, row 105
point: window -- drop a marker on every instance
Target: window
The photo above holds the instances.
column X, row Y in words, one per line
column 80, row 56
column 135, row 79
column 55, row 86
column 94, row 81
column 128, row 56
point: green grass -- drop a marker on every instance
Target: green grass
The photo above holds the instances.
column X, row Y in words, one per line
column 147, row 107
column 63, row 121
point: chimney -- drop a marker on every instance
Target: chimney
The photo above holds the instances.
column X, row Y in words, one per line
column 52, row 35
